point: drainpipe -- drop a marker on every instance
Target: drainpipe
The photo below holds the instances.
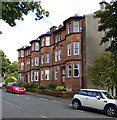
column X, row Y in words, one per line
column 82, row 53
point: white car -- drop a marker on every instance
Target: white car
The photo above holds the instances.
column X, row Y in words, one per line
column 97, row 99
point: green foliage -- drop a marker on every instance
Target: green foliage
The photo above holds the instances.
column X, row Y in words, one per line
column 4, row 62
column 42, row 87
column 51, row 85
column 108, row 24
column 9, row 80
column 102, row 73
column 12, row 11
column 60, row 88
column 14, row 67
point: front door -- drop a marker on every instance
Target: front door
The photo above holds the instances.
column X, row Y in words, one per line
column 63, row 75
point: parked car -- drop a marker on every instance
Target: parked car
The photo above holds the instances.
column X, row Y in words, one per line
column 97, row 99
column 15, row 87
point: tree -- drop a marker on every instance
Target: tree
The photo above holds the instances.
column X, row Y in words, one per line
column 4, row 62
column 14, row 67
column 102, row 73
column 12, row 11
column 108, row 24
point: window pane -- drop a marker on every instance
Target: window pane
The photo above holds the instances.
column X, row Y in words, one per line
column 76, row 48
column 76, row 70
column 36, row 46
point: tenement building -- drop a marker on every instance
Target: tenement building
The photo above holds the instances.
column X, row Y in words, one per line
column 61, row 55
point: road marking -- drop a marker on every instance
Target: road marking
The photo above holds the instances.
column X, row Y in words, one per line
column 11, row 104
column 43, row 116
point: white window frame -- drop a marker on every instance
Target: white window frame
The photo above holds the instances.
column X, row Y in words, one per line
column 69, row 69
column 69, row 49
column 42, row 73
column 36, row 46
column 59, row 55
column 32, row 46
column 47, row 74
column 69, row 27
column 76, row 69
column 56, row 55
column 76, row 48
column 42, row 41
column 28, row 77
column 56, row 73
column 42, row 58
column 36, row 76
column 36, row 61
column 47, row 41
column 47, row 58
column 32, row 76
column 76, row 26
column 22, row 53
column 22, row 65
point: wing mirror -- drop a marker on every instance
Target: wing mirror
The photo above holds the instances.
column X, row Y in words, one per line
column 98, row 97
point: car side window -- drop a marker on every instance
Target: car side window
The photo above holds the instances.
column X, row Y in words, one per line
column 9, row 83
column 94, row 94
column 82, row 92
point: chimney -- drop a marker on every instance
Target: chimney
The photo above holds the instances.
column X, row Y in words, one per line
column 103, row 4
column 52, row 29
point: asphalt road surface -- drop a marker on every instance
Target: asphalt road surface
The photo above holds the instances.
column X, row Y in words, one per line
column 29, row 106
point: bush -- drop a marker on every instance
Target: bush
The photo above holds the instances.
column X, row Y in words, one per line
column 41, row 87
column 51, row 85
column 9, row 80
column 60, row 88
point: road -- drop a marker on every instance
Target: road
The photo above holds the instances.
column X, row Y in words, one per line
column 29, row 106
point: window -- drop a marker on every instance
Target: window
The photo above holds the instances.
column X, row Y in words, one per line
column 22, row 53
column 69, row 70
column 76, row 48
column 76, row 26
column 69, row 49
column 22, row 65
column 19, row 66
column 31, row 76
column 47, row 41
column 42, row 58
column 27, row 52
column 36, row 76
column 60, row 37
column 69, row 28
column 28, row 77
column 36, row 61
column 56, row 73
column 47, row 57
column 56, row 38
column 46, row 74
column 42, row 42
column 32, row 61
column 42, row 74
column 36, row 46
column 56, row 55
column 59, row 55
column 18, row 54
column 22, row 78
column 32, row 46
column 76, row 70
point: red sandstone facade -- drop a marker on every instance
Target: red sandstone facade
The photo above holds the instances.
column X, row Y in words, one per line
column 58, row 56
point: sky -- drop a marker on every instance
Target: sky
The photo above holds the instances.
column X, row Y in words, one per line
column 16, row 37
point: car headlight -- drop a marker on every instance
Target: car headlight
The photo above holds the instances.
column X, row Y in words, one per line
column 16, row 88
column 24, row 89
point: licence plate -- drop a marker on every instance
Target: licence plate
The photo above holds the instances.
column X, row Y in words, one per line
column 21, row 90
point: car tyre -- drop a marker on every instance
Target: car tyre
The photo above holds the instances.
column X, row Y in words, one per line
column 13, row 91
column 111, row 111
column 76, row 104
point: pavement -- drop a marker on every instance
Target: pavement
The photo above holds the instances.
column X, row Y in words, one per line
column 65, row 100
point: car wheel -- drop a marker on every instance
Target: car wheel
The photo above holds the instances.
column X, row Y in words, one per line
column 76, row 104
column 13, row 91
column 111, row 111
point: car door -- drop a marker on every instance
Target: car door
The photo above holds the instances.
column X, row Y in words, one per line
column 94, row 102
column 11, row 87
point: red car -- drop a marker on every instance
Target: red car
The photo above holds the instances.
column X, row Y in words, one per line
column 15, row 87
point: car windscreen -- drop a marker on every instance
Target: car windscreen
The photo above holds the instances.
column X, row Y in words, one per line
column 17, row 85
column 108, row 95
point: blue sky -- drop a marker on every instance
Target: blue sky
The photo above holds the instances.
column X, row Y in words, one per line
column 13, row 38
